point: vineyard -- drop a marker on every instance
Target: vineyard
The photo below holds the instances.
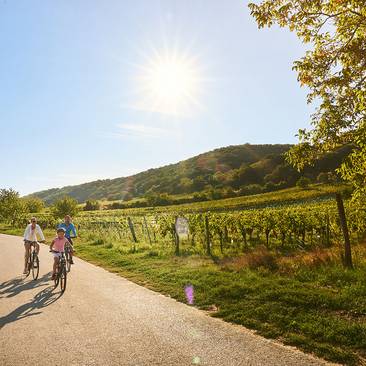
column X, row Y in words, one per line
column 220, row 233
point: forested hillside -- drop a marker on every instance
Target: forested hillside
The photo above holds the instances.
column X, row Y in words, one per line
column 245, row 169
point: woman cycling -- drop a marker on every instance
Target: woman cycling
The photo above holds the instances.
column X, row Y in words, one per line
column 30, row 238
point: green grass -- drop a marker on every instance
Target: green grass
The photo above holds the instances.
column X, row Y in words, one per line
column 321, row 310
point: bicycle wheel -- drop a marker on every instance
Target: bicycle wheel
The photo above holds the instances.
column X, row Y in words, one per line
column 57, row 277
column 35, row 266
column 29, row 265
column 63, row 277
column 68, row 261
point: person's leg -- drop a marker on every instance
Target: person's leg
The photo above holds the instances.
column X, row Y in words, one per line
column 27, row 247
column 71, row 250
column 55, row 264
column 37, row 248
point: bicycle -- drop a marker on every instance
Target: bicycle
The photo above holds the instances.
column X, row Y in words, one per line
column 33, row 263
column 61, row 274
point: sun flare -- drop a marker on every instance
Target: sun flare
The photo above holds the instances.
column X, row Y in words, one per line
column 170, row 83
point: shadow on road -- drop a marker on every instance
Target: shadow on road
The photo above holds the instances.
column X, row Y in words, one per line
column 42, row 299
column 16, row 285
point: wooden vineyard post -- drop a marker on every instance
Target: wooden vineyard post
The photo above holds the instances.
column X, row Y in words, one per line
column 343, row 221
column 132, row 229
column 147, row 230
column 208, row 244
column 176, row 239
column 327, row 231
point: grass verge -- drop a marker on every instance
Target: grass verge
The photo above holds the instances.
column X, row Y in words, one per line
column 320, row 309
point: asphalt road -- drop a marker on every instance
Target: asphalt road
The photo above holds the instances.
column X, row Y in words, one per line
column 103, row 319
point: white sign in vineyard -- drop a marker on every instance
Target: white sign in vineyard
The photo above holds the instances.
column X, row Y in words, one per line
column 182, row 227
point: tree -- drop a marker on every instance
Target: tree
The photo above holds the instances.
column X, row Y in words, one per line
column 91, row 205
column 65, row 206
column 11, row 205
column 335, row 73
column 33, row 204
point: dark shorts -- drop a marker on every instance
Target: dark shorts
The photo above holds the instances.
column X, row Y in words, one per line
column 30, row 242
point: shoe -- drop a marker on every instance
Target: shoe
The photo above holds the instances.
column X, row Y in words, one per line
column 71, row 261
column 25, row 272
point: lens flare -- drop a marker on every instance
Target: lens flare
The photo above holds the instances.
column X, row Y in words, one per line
column 189, row 291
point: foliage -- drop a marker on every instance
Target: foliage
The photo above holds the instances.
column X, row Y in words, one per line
column 33, row 204
column 91, row 205
column 65, row 206
column 335, row 73
column 11, row 206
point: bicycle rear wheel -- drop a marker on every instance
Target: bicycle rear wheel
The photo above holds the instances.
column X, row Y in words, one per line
column 35, row 266
column 63, row 277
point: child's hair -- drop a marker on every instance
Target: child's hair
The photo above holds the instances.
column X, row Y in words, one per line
column 60, row 229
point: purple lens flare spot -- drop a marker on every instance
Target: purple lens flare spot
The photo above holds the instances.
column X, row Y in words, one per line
column 189, row 290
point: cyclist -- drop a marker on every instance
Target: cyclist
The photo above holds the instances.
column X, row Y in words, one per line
column 57, row 247
column 30, row 238
column 70, row 233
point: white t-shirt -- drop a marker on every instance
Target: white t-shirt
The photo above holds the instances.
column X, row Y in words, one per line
column 31, row 234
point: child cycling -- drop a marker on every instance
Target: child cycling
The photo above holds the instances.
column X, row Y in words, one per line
column 57, row 247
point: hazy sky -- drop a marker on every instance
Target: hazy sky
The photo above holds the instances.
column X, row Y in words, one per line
column 84, row 89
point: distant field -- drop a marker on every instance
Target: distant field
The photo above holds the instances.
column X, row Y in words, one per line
column 317, row 192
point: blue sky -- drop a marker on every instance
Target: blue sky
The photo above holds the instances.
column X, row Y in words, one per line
column 73, row 107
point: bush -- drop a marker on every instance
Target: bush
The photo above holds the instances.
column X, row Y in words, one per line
column 303, row 182
column 261, row 257
column 65, row 206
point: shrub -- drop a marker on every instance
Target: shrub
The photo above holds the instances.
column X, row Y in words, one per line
column 303, row 182
column 261, row 257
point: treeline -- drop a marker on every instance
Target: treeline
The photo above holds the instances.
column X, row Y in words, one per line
column 226, row 172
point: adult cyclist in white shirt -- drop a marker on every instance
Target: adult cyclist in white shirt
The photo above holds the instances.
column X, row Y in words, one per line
column 30, row 238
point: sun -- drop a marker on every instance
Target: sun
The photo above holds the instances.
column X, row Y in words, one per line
column 170, row 83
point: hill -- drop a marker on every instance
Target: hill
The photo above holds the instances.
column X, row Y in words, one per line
column 243, row 169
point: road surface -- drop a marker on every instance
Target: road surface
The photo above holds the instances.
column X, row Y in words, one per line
column 103, row 319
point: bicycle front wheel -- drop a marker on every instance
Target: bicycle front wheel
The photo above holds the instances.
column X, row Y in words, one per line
column 57, row 278
column 63, row 277
column 68, row 261
column 35, row 266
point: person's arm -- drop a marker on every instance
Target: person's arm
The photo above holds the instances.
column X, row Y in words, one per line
column 70, row 246
column 51, row 245
column 26, row 231
column 40, row 232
